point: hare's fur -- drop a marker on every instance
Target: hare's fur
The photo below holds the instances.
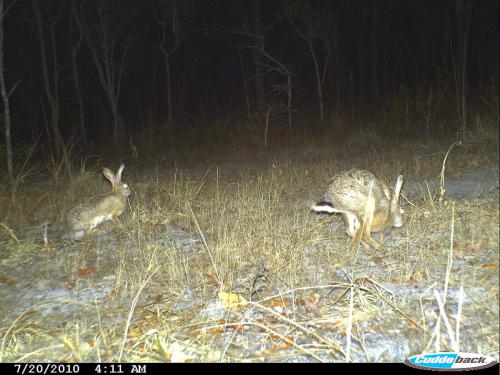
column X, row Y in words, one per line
column 86, row 216
column 365, row 201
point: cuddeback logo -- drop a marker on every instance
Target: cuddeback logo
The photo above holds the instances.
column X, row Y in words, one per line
column 450, row 361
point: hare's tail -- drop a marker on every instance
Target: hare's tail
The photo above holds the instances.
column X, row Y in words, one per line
column 324, row 207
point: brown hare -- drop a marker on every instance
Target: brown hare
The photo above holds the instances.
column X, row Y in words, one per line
column 366, row 203
column 86, row 216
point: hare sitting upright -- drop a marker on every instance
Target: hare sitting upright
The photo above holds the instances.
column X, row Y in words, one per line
column 86, row 216
column 366, row 203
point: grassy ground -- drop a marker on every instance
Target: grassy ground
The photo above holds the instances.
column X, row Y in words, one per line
column 204, row 230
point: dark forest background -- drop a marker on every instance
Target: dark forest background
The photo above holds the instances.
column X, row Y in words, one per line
column 96, row 70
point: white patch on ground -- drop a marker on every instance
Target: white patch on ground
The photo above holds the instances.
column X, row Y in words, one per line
column 478, row 184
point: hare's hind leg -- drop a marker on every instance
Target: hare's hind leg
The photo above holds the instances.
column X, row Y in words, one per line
column 360, row 229
column 367, row 225
column 370, row 241
column 117, row 222
column 356, row 235
column 358, row 239
column 353, row 229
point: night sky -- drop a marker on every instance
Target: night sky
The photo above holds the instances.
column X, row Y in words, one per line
column 376, row 51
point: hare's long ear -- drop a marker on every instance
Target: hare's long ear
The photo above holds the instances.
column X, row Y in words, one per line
column 397, row 191
column 395, row 197
column 119, row 173
column 397, row 188
column 109, row 175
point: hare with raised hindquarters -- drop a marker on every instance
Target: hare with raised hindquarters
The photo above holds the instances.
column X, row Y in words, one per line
column 366, row 202
column 86, row 216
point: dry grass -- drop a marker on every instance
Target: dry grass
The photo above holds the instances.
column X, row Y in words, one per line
column 224, row 226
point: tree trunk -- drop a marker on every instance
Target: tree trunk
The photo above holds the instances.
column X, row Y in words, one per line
column 109, row 61
column 6, row 107
column 169, row 88
column 168, row 19
column 118, row 126
column 341, row 93
column 289, row 102
column 259, row 79
column 374, row 45
column 74, row 67
column 108, row 89
column 362, row 55
column 244, row 83
column 463, row 11
column 50, row 92
column 319, row 84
